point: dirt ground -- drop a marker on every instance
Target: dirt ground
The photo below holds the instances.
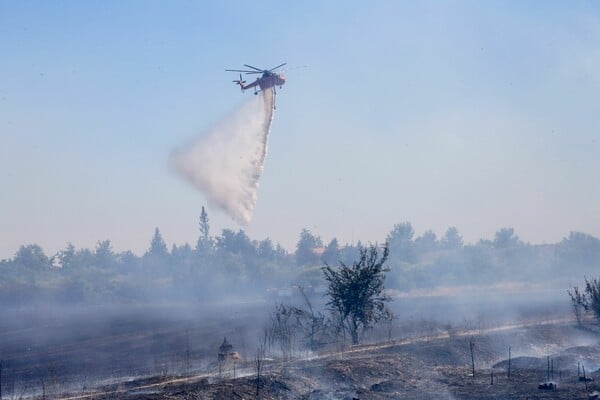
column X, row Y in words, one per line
column 419, row 368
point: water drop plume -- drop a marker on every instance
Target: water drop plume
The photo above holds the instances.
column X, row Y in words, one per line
column 227, row 161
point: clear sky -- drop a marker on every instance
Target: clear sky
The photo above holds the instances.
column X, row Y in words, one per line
column 478, row 115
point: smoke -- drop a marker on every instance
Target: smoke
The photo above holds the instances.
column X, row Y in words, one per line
column 226, row 163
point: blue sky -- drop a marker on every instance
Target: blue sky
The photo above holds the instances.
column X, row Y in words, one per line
column 478, row 115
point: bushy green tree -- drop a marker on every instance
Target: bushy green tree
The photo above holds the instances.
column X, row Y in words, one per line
column 305, row 248
column 66, row 257
column 580, row 249
column 452, row 239
column 356, row 292
column 32, row 256
column 265, row 249
column 427, row 242
column 400, row 240
column 104, row 256
column 505, row 238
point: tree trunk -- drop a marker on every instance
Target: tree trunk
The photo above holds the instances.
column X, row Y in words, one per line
column 354, row 333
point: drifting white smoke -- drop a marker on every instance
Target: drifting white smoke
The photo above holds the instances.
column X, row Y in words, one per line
column 227, row 162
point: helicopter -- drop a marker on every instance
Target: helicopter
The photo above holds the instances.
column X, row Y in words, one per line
column 269, row 78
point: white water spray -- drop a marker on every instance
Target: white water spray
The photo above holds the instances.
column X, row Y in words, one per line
column 226, row 163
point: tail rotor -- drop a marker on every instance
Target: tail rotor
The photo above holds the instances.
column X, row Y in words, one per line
column 240, row 82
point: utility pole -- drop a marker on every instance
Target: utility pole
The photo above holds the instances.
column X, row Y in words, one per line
column 509, row 362
column 471, row 346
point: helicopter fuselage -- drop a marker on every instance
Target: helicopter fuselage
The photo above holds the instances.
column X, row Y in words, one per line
column 268, row 80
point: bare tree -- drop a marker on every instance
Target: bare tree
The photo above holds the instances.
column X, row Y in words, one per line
column 283, row 328
column 224, row 350
column 187, row 352
column 266, row 338
column 259, row 360
column 509, row 362
column 471, row 347
column 577, row 301
column 314, row 325
column 53, row 376
column 388, row 318
column 589, row 300
column 84, row 384
column 24, row 387
column 592, row 289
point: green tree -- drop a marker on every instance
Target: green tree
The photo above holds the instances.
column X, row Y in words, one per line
column 307, row 243
column 235, row 243
column 158, row 248
column 66, row 257
column 427, row 242
column 401, row 243
column 104, row 256
column 331, row 255
column 226, row 242
column 32, row 256
column 452, row 239
column 204, row 225
column 505, row 238
column 127, row 259
column 205, row 244
column 265, row 250
column 580, row 249
column 356, row 292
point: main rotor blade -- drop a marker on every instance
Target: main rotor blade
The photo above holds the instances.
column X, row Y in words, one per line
column 250, row 66
column 272, row 69
column 241, row 70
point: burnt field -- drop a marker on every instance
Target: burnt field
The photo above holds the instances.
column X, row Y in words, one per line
column 171, row 350
column 58, row 349
column 418, row 368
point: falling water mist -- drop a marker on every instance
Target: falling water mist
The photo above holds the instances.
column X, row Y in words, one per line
column 226, row 162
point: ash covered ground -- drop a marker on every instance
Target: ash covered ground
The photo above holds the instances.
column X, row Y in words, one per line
column 140, row 352
column 418, row 368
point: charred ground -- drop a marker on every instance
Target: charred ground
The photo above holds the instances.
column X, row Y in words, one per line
column 414, row 368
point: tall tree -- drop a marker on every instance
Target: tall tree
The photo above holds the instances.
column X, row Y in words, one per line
column 331, row 255
column 426, row 242
column 204, row 225
column 104, row 256
column 356, row 292
column 32, row 256
column 580, row 249
column 158, row 248
column 452, row 239
column 66, row 257
column 305, row 249
column 244, row 245
column 505, row 238
column 227, row 242
column 205, row 244
column 265, row 250
column 401, row 243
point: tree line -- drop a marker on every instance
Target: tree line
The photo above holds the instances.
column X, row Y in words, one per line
column 231, row 263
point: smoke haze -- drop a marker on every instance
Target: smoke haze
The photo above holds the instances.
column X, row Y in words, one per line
column 226, row 162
